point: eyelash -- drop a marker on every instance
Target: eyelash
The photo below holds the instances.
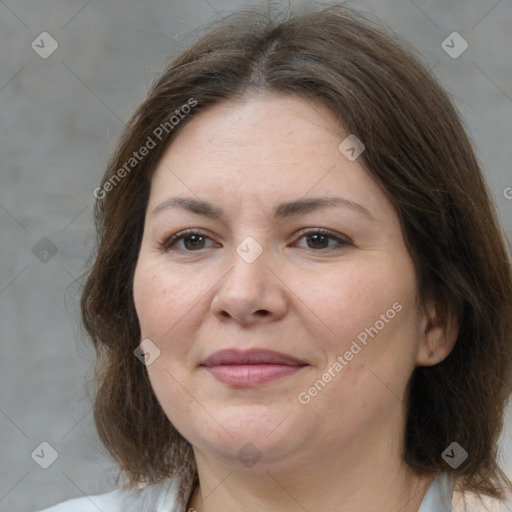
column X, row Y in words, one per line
column 167, row 244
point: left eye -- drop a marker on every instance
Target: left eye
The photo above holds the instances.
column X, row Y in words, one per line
column 319, row 237
column 194, row 240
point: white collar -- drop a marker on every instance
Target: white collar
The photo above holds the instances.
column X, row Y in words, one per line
column 438, row 497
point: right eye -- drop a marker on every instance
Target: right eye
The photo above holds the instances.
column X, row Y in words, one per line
column 193, row 240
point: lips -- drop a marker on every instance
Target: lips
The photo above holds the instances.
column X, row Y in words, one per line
column 250, row 368
column 252, row 356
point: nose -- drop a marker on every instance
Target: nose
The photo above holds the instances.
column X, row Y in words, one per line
column 251, row 291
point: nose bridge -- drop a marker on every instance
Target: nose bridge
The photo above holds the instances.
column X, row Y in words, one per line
column 249, row 262
column 250, row 287
column 250, row 250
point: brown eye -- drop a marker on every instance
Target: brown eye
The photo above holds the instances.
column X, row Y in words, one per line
column 318, row 239
column 192, row 241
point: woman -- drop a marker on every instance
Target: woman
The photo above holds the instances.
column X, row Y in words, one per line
column 301, row 295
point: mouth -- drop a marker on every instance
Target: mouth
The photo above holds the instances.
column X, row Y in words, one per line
column 249, row 368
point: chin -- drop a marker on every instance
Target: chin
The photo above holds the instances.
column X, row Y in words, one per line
column 241, row 436
column 256, row 456
column 252, row 420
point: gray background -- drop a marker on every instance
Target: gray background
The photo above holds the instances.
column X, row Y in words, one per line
column 61, row 118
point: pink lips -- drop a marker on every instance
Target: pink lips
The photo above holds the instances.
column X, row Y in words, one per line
column 250, row 367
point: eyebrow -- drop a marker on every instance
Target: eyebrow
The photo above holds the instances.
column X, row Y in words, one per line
column 288, row 209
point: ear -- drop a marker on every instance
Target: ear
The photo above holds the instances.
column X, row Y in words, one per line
column 439, row 333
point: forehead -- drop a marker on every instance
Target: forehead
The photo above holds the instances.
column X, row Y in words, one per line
column 265, row 148
column 250, row 126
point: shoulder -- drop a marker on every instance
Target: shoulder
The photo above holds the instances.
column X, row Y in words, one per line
column 160, row 498
column 108, row 502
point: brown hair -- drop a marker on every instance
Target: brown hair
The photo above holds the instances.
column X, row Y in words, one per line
column 419, row 153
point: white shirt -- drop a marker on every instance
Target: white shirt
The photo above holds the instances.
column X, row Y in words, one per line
column 162, row 498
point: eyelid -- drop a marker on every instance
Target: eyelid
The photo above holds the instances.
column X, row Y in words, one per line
column 342, row 240
column 166, row 243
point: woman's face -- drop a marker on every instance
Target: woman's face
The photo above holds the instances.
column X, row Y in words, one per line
column 341, row 305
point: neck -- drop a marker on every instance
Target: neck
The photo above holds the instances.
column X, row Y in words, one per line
column 359, row 476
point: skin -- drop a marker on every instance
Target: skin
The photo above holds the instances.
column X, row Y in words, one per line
column 342, row 450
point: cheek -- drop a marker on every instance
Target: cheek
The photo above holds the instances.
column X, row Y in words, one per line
column 146, row 286
column 159, row 294
column 156, row 307
column 377, row 322
column 168, row 302
column 162, row 303
column 368, row 298
column 373, row 327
